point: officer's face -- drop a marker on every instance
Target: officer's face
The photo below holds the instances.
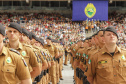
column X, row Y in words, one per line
column 89, row 42
column 23, row 38
column 86, row 43
column 100, row 37
column 37, row 43
column 13, row 34
column 96, row 39
column 81, row 43
column 110, row 37
column 1, row 38
column 48, row 41
column 93, row 40
column 33, row 41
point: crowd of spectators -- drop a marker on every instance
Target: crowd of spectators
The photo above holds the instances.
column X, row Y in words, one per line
column 62, row 28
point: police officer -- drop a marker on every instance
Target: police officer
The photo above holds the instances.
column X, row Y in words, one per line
column 66, row 55
column 78, row 56
column 13, row 33
column 55, row 43
column 44, row 61
column 54, row 52
column 24, row 38
column 12, row 64
column 108, row 64
column 75, row 49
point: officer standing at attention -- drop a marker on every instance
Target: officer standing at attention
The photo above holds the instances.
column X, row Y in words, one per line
column 13, row 33
column 54, row 52
column 107, row 65
column 12, row 65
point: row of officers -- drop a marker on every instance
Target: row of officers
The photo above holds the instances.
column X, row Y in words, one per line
column 24, row 59
column 98, row 59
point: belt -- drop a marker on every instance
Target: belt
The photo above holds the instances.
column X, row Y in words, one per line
column 54, row 58
column 57, row 60
column 47, row 70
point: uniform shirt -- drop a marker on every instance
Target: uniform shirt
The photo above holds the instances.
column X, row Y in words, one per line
column 52, row 49
column 48, row 56
column 85, row 55
column 90, row 53
column 108, row 69
column 79, row 55
column 28, row 54
column 40, row 53
column 12, row 65
column 71, row 48
column 75, row 49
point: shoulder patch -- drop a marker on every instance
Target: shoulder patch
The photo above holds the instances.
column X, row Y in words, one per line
column 11, row 49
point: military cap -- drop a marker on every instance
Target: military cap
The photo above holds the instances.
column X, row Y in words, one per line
column 15, row 26
column 48, row 38
column 38, row 39
column 101, row 30
column 2, row 30
column 56, row 41
column 83, row 40
column 42, row 41
column 96, row 33
column 75, row 42
column 93, row 35
column 90, row 37
column 111, row 29
column 87, row 38
column 30, row 35
column 53, row 40
column 26, row 32
column 33, row 36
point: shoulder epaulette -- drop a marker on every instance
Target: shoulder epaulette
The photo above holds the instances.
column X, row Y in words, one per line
column 36, row 47
column 11, row 49
column 123, row 49
column 89, row 48
column 27, row 45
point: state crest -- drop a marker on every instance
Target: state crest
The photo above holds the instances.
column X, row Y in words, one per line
column 90, row 10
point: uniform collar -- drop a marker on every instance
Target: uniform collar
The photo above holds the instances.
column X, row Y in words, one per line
column 4, row 51
column 104, row 50
column 19, row 47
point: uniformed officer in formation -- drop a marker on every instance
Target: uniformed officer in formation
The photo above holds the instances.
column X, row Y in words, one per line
column 67, row 54
column 43, row 62
column 14, row 32
column 12, row 64
column 26, row 59
column 100, row 61
column 107, row 65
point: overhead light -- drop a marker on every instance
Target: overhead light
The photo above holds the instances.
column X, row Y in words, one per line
column 27, row 1
column 110, row 1
column 68, row 1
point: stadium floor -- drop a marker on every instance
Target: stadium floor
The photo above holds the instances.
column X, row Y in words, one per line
column 67, row 72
